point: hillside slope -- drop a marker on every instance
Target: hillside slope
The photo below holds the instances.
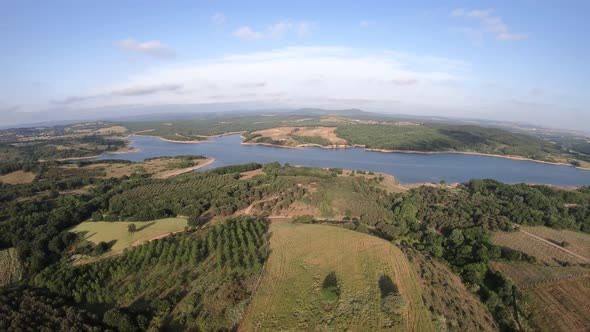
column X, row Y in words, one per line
column 289, row 295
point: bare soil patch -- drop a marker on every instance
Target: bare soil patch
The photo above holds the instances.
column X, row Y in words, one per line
column 284, row 134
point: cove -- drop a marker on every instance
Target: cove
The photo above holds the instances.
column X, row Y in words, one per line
column 406, row 167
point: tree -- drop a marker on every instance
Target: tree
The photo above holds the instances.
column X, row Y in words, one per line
column 131, row 228
column 101, row 248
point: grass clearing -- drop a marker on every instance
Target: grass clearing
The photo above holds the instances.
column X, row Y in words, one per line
column 527, row 275
column 578, row 242
column 290, row 295
column 10, row 267
column 111, row 130
column 544, row 252
column 17, row 177
column 117, row 231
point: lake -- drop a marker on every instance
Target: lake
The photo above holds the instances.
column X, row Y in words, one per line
column 406, row 167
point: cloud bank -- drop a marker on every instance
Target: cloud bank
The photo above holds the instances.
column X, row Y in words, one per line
column 277, row 30
column 153, row 48
column 489, row 22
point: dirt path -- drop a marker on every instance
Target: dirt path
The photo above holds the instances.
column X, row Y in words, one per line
column 556, row 246
column 168, row 174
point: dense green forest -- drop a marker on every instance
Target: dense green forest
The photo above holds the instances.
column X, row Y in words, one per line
column 15, row 156
column 32, row 309
column 438, row 137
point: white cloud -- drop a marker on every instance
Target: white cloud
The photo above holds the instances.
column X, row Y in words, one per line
column 153, row 48
column 489, row 22
column 366, row 23
column 218, row 18
column 277, row 30
column 291, row 77
column 129, row 91
column 246, row 32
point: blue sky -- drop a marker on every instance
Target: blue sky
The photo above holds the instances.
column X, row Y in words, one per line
column 507, row 60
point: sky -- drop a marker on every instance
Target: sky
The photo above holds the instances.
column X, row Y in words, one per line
column 522, row 61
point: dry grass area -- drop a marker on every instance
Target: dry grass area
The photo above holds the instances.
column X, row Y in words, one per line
column 389, row 182
column 284, row 134
column 18, row 177
column 112, row 130
column 159, row 168
column 527, row 275
column 116, row 232
column 289, row 295
column 10, row 267
column 578, row 242
column 251, row 174
column 562, row 306
column 546, row 253
column 454, row 307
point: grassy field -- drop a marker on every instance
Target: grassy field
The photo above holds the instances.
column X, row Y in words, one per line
column 289, row 296
column 527, row 275
column 97, row 231
column 17, row 177
column 546, row 253
column 578, row 242
column 10, row 267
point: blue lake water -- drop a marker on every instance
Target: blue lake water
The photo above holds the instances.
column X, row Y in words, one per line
column 406, row 167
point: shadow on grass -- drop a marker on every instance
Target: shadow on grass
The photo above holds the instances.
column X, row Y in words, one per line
column 145, row 226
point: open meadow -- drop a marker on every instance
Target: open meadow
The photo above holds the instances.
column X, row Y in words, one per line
column 17, row 177
column 547, row 252
column 117, row 233
column 10, row 267
column 577, row 242
column 290, row 294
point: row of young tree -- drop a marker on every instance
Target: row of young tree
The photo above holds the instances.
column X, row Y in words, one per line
column 218, row 258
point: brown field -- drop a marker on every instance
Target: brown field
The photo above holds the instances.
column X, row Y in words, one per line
column 283, row 134
column 547, row 253
column 18, row 177
column 578, row 242
column 159, row 168
column 289, row 298
column 562, row 306
column 560, row 296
